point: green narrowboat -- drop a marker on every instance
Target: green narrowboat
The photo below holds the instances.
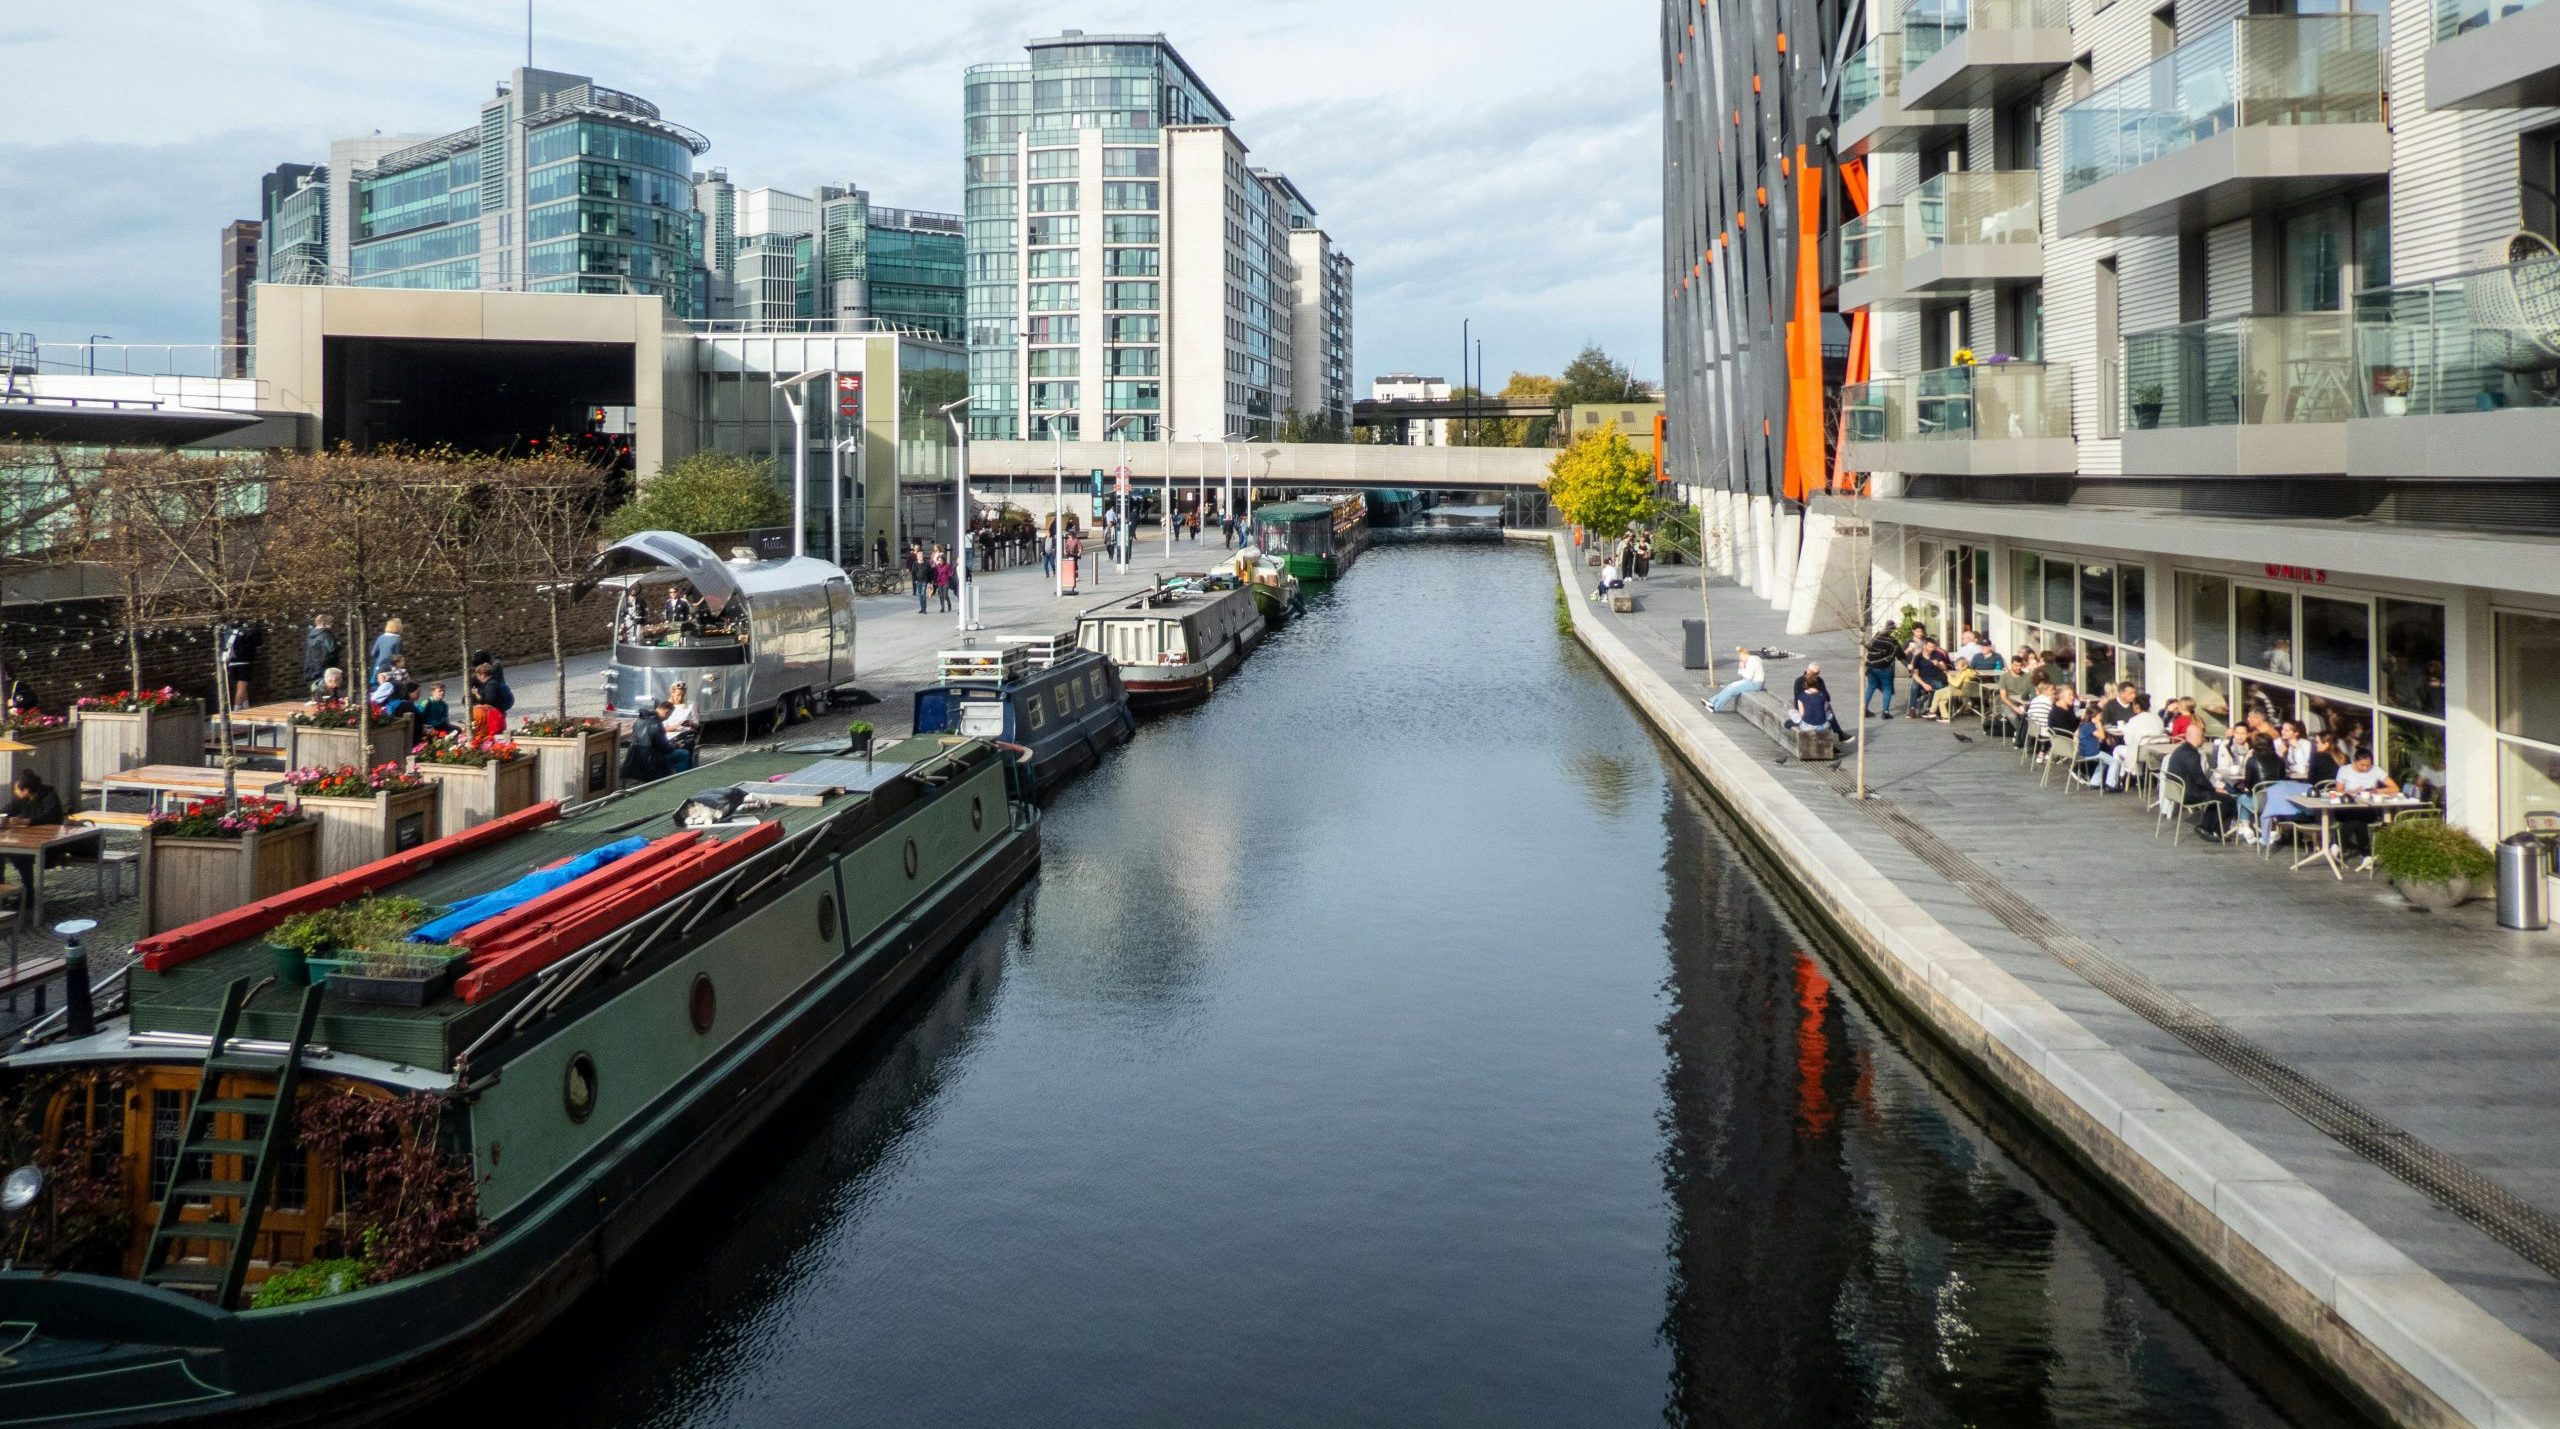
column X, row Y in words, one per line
column 241, row 1200
column 1316, row 537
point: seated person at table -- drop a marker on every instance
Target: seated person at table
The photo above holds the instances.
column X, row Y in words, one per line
column 2093, row 747
column 2187, row 766
column 1812, row 709
column 2137, row 739
column 32, row 801
column 2261, row 771
column 1929, row 667
column 330, row 688
column 2324, row 764
column 2119, row 704
column 648, row 757
column 2017, row 689
column 2362, row 779
column 2064, row 718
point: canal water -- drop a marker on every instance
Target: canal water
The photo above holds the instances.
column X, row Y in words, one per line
column 1397, row 1040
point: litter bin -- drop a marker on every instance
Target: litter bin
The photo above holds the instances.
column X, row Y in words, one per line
column 2522, row 869
column 1693, row 645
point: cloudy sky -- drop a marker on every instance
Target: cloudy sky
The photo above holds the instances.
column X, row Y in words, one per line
column 1494, row 160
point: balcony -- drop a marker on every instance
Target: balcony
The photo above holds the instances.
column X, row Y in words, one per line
column 1871, row 259
column 2265, row 111
column 1966, row 230
column 1970, row 54
column 1998, row 419
column 2240, row 396
column 1872, row 119
column 2494, row 54
column 2460, row 376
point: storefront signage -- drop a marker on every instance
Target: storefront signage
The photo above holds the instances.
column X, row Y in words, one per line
column 2308, row 575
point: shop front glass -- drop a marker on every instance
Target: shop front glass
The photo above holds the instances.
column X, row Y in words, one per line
column 2528, row 704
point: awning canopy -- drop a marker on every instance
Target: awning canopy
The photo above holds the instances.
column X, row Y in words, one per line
column 677, row 552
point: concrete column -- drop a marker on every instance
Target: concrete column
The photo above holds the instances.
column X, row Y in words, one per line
column 1764, row 546
column 1782, row 591
column 2470, row 740
column 1828, row 575
column 2159, row 611
column 1719, row 536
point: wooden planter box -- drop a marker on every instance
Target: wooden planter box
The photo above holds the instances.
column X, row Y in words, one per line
column 355, row 832
column 55, row 759
column 576, row 766
column 187, row 879
column 473, row 796
column 114, row 741
column 307, row 747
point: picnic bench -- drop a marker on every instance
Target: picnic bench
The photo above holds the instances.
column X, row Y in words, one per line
column 1770, row 713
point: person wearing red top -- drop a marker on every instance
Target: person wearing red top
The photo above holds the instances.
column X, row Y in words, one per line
column 486, row 722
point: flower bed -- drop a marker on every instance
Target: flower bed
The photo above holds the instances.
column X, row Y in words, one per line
column 326, row 736
column 558, row 726
column 576, row 758
column 126, row 729
column 205, row 859
column 348, row 782
column 129, row 701
column 53, row 752
column 478, row 780
column 456, row 747
column 367, row 814
column 324, row 714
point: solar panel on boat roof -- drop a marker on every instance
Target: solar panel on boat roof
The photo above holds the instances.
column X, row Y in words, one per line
column 853, row 775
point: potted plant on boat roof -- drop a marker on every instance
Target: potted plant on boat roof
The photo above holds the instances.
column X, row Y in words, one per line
column 205, row 859
column 302, row 944
column 477, row 780
column 858, row 738
column 394, row 974
column 136, row 727
column 575, row 755
column 2434, row 865
column 366, row 814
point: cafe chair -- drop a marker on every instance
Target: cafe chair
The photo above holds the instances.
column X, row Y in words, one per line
column 2173, row 808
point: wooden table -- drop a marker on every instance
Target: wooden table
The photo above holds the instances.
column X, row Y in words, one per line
column 2327, row 808
column 29, row 847
column 159, row 783
column 258, row 727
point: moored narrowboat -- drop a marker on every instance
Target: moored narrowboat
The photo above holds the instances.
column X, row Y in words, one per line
column 1316, row 537
column 244, row 1200
column 1059, row 705
column 1275, row 591
column 1173, row 643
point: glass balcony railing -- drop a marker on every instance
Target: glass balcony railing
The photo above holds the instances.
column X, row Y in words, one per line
column 1870, row 244
column 1864, row 81
column 1877, row 411
column 1929, row 26
column 2241, row 371
column 2483, row 341
column 2258, row 70
column 2461, row 17
column 1981, row 206
column 1992, row 402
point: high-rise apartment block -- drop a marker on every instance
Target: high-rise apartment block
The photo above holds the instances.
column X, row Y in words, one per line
column 2214, row 348
column 1129, row 272
column 853, row 259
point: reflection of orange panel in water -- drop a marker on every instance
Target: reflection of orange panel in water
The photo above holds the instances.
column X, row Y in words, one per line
column 1813, row 1048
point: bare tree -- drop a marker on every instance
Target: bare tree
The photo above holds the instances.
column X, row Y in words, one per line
column 553, row 509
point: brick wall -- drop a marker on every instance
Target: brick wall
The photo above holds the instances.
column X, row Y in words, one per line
column 76, row 647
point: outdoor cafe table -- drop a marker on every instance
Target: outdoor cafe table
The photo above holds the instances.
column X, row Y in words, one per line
column 28, row 847
column 159, row 783
column 258, row 727
column 2327, row 808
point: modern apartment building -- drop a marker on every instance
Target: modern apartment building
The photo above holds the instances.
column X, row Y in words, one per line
column 855, row 259
column 2216, row 346
column 560, row 185
column 1412, row 387
column 239, row 265
column 1129, row 272
column 1320, row 316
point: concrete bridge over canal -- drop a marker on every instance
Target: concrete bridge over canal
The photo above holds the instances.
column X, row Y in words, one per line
column 1287, row 465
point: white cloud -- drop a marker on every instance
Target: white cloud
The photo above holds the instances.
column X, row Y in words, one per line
column 1497, row 161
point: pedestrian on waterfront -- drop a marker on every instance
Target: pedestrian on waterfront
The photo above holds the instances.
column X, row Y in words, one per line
column 1753, row 677
column 880, row 551
column 1644, row 557
column 241, row 642
column 944, row 579
column 1195, row 525
column 1049, row 554
column 385, row 645
column 919, row 573
column 320, row 650
column 1075, row 559
column 1883, row 649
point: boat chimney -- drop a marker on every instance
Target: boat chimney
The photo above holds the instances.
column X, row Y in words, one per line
column 80, row 1015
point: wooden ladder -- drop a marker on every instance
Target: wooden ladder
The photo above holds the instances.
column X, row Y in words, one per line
column 192, row 1178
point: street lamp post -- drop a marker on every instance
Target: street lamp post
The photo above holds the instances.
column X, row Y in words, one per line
column 1058, row 504
column 1227, row 491
column 793, row 390
column 1168, row 493
column 960, row 543
column 1120, row 485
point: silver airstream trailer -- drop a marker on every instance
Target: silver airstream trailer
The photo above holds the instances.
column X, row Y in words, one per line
column 743, row 636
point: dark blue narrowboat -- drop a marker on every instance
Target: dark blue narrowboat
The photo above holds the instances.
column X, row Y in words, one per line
column 1063, row 705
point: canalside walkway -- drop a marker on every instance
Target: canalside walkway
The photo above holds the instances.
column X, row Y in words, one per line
column 2402, row 1065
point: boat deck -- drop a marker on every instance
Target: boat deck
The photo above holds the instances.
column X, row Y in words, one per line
column 187, row 998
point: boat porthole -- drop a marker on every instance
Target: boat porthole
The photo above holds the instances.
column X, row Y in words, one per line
column 911, row 858
column 578, row 1088
column 703, row 1002
column 827, row 918
column 977, row 812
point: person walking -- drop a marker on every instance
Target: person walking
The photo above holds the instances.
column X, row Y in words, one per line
column 919, row 572
column 385, row 645
column 1882, row 652
column 241, row 642
column 942, row 582
column 1075, row 559
column 321, row 650
column 1192, row 530
column 1049, row 554
column 880, row 550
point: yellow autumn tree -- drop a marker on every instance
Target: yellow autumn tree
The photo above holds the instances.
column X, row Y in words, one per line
column 1601, row 482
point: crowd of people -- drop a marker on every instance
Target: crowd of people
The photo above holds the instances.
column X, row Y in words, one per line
column 1629, row 558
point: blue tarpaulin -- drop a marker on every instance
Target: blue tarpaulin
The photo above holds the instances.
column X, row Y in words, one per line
column 482, row 908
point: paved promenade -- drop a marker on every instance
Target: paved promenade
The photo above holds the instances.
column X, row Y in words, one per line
column 2365, row 1048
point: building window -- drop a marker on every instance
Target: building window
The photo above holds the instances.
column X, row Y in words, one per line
column 2311, row 658
column 1135, row 329
column 1128, row 195
column 1132, row 361
column 1053, row 297
column 1049, row 329
column 1052, row 396
column 1046, row 232
column 1129, row 163
column 1054, row 198
column 2528, row 705
column 1129, row 262
column 1122, row 297
column 1053, row 163
column 1054, row 262
column 1130, row 228
column 1132, row 396
column 1053, row 362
